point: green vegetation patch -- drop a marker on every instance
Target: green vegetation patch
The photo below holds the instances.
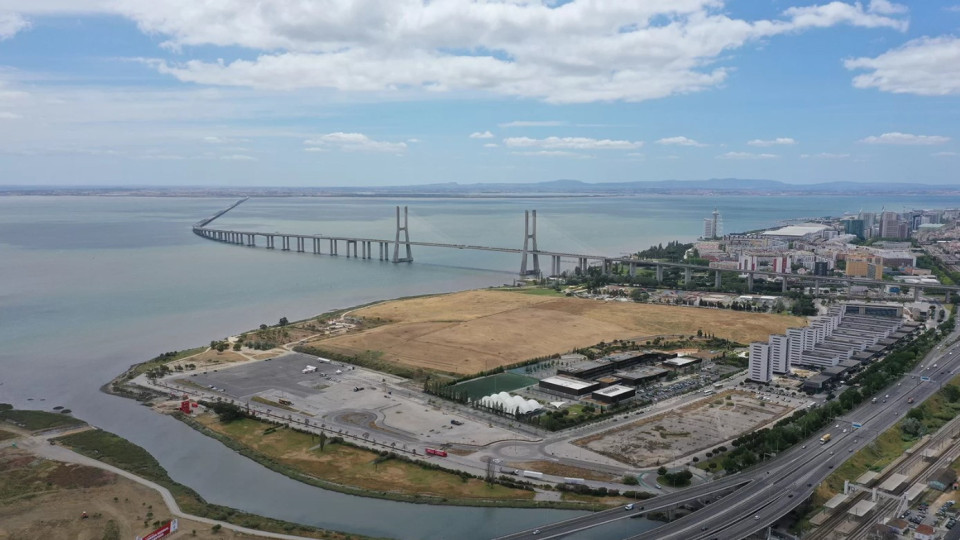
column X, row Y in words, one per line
column 491, row 384
column 38, row 420
column 535, row 291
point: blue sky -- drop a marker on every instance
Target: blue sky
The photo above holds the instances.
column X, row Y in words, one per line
column 386, row 92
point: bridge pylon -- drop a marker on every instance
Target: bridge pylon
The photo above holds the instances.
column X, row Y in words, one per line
column 406, row 239
column 530, row 235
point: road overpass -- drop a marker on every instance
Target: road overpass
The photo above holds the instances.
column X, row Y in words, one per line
column 401, row 245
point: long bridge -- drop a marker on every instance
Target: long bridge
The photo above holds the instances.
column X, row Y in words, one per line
column 402, row 247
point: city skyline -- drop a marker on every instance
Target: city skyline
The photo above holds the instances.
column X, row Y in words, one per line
column 376, row 93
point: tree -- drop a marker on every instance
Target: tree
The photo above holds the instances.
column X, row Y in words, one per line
column 323, row 440
column 630, row 480
column 662, row 471
column 912, row 427
column 284, row 321
column 263, row 327
column 227, row 412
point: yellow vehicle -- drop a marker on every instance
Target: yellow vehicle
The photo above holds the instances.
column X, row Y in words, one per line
column 825, row 439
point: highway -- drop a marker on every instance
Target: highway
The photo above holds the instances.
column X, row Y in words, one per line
column 762, row 495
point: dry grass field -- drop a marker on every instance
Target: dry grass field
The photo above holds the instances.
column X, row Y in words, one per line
column 44, row 499
column 473, row 331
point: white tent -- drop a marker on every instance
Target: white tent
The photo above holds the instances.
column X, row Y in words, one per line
column 511, row 404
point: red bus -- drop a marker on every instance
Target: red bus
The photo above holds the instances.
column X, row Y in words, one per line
column 432, row 452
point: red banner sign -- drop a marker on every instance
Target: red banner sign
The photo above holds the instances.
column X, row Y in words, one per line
column 161, row 532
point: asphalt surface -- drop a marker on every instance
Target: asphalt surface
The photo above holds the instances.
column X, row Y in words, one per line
column 774, row 488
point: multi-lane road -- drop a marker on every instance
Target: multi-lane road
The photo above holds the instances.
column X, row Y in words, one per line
column 757, row 498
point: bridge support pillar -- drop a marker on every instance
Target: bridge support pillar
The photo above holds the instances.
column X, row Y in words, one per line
column 659, row 274
column 816, row 287
column 946, row 297
column 583, row 265
column 554, row 265
column 717, row 282
column 286, row 243
column 529, row 233
column 253, row 240
column 300, row 244
column 632, row 270
column 916, row 293
column 687, row 276
column 750, row 282
column 783, row 285
column 270, row 241
column 405, row 229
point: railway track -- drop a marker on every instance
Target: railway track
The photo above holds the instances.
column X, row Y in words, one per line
column 946, row 433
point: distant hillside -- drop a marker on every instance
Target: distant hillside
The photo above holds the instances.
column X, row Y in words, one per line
column 563, row 187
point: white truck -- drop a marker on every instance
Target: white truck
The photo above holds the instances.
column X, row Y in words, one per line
column 309, row 369
column 533, row 474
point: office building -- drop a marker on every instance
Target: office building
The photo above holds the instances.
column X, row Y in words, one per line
column 868, row 266
column 712, row 226
column 854, row 227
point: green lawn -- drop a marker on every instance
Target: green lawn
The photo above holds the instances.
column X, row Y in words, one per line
column 491, row 384
column 38, row 420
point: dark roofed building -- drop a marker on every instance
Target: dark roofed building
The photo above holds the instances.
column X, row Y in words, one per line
column 943, row 479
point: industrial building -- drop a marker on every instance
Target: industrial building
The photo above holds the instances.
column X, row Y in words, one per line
column 640, row 376
column 681, row 362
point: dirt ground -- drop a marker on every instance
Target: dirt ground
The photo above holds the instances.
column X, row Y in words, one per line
column 477, row 330
column 41, row 499
column 682, row 432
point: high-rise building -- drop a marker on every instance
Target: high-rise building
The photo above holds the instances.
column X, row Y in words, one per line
column 712, row 226
column 891, row 226
column 760, row 366
column 855, row 227
column 795, row 337
column 779, row 353
column 820, row 268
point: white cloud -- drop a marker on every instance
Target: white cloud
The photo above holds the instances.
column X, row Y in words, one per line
column 944, row 154
column 573, row 143
column 214, row 140
column 746, row 155
column 925, row 66
column 481, row 135
column 772, row 142
column 885, row 7
column 352, row 142
column 491, row 145
column 533, row 123
column 413, row 141
column 905, row 139
column 679, row 141
column 825, row 155
column 5, row 115
column 11, row 24
column 238, row 157
column 562, row 52
column 553, row 153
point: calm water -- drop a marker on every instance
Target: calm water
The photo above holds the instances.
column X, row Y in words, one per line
column 89, row 286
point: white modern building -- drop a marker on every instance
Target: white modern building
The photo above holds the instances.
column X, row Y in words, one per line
column 760, row 366
column 779, row 353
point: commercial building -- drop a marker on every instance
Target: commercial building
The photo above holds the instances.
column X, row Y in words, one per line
column 760, row 368
column 640, row 376
column 614, row 394
column 820, row 268
column 868, row 266
column 815, row 383
column 681, row 362
column 568, row 386
column 589, row 369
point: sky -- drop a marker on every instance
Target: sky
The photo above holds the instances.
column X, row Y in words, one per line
column 400, row 92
